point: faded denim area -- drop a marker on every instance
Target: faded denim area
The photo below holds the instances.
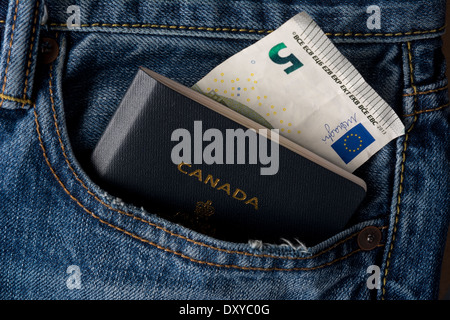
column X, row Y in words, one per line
column 53, row 215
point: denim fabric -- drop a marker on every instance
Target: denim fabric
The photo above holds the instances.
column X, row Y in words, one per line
column 54, row 216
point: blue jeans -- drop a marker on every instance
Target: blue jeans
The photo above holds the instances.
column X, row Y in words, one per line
column 64, row 237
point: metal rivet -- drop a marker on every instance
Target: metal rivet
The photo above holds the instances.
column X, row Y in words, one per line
column 369, row 238
column 49, row 50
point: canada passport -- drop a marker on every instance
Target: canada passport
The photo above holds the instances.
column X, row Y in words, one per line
column 189, row 158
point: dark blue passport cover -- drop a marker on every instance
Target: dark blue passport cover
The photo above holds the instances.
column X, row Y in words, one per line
column 304, row 200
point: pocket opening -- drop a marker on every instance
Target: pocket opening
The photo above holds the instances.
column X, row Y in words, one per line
column 284, row 249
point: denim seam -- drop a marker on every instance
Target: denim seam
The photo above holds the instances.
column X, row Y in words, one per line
column 30, row 54
column 425, row 92
column 9, row 51
column 137, row 218
column 14, row 99
column 44, row 152
column 402, row 173
column 427, row 110
column 153, row 224
column 246, row 30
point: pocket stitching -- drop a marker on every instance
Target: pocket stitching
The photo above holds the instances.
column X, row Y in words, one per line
column 425, row 92
column 415, row 113
column 402, row 173
column 155, row 225
column 30, row 54
column 248, row 30
column 14, row 99
column 63, row 149
column 170, row 250
column 16, row 7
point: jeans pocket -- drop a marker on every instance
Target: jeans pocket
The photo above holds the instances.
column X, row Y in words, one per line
column 419, row 217
column 134, row 233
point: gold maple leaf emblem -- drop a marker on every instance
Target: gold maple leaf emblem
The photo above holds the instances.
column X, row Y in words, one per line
column 204, row 209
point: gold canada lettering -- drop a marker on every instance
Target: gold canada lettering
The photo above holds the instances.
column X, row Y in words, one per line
column 235, row 193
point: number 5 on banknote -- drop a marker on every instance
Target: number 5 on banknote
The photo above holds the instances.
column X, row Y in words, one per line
column 275, row 57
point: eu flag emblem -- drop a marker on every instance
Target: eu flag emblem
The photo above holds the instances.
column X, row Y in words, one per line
column 352, row 143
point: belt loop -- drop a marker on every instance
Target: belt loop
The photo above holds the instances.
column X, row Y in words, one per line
column 19, row 49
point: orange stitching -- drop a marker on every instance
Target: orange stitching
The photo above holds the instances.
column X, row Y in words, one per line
column 5, row 97
column 155, row 225
column 159, row 246
column 425, row 92
column 31, row 51
column 9, row 51
column 166, row 230
column 427, row 110
column 226, row 29
column 350, row 34
column 402, row 175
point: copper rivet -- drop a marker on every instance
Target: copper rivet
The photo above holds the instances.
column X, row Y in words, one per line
column 369, row 238
column 49, row 50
